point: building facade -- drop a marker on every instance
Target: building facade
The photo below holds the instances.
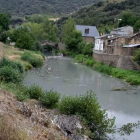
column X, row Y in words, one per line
column 123, row 31
column 117, row 51
column 88, row 32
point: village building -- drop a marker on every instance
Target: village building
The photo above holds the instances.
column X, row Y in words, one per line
column 88, row 32
column 123, row 31
column 100, row 43
column 117, row 50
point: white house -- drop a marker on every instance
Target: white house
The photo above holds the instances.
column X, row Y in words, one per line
column 99, row 44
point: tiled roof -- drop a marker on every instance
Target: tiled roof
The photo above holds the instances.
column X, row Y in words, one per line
column 93, row 32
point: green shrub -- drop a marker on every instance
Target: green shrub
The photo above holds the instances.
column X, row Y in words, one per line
column 35, row 91
column 20, row 91
column 15, row 65
column 87, row 106
column 9, row 74
column 64, row 52
column 50, row 99
column 25, row 40
column 103, row 68
column 137, row 56
column 133, row 79
column 79, row 58
column 119, row 73
column 32, row 58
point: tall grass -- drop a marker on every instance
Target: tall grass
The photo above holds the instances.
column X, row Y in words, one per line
column 34, row 59
column 20, row 91
column 11, row 132
column 15, row 65
column 131, row 76
column 89, row 61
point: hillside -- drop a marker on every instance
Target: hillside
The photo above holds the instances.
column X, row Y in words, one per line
column 104, row 13
column 28, row 7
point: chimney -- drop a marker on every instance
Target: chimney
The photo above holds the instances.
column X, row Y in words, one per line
column 87, row 30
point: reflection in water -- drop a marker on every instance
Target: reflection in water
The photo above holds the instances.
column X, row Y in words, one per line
column 69, row 78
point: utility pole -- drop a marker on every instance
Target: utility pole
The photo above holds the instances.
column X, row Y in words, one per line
column 116, row 36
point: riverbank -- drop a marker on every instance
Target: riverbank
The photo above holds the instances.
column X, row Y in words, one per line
column 130, row 76
column 16, row 55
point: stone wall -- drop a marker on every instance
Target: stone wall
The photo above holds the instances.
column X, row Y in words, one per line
column 118, row 61
column 88, row 39
column 61, row 46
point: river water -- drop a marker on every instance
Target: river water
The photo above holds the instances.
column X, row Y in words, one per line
column 68, row 78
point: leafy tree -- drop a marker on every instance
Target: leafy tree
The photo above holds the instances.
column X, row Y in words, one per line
column 137, row 25
column 128, row 18
column 74, row 39
column 37, row 18
column 36, row 29
column 50, row 31
column 4, row 21
column 68, row 29
column 25, row 41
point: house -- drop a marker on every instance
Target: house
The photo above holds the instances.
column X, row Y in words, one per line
column 123, row 31
column 123, row 45
column 100, row 43
column 88, row 32
column 117, row 51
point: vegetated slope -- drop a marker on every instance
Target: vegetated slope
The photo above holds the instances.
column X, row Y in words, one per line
column 104, row 13
column 28, row 7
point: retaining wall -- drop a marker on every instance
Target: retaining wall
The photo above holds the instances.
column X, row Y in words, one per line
column 118, row 61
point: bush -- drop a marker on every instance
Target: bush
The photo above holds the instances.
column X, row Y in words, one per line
column 103, row 68
column 9, row 74
column 15, row 65
column 33, row 59
column 137, row 56
column 35, row 91
column 37, row 46
column 88, row 107
column 89, row 62
column 50, row 99
column 79, row 58
column 88, row 49
column 119, row 73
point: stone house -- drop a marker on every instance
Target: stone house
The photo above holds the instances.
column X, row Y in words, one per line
column 88, row 32
column 123, row 45
column 123, row 31
column 118, row 51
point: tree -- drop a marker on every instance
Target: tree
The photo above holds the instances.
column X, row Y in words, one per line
column 73, row 41
column 137, row 25
column 25, row 41
column 37, row 18
column 50, row 32
column 68, row 29
column 4, row 22
column 36, row 29
column 23, row 37
column 128, row 18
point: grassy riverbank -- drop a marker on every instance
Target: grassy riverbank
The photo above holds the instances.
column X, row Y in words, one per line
column 28, row 59
column 131, row 76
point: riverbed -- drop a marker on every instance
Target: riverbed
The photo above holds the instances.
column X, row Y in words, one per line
column 65, row 76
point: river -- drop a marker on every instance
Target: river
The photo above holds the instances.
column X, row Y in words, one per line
column 69, row 78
